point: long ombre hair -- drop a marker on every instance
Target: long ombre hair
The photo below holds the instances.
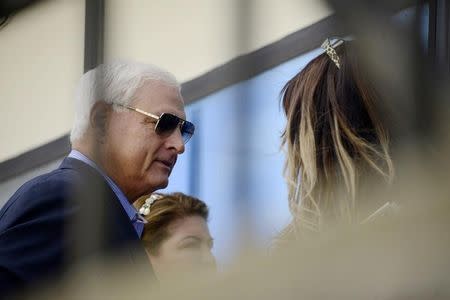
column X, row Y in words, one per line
column 333, row 137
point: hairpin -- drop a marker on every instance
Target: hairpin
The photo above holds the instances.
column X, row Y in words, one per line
column 145, row 208
column 388, row 207
column 329, row 46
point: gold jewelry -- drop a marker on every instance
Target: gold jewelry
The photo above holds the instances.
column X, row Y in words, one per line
column 329, row 46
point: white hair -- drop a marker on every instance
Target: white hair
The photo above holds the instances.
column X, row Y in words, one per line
column 113, row 83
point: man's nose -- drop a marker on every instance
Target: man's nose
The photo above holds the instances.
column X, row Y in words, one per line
column 175, row 141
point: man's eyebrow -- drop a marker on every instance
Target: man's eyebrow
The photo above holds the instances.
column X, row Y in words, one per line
column 148, row 119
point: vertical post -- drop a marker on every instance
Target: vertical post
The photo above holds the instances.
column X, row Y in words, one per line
column 195, row 161
column 439, row 34
column 93, row 33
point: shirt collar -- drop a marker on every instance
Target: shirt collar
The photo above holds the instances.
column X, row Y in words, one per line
column 127, row 206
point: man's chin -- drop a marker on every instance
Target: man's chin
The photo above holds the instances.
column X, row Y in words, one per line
column 157, row 179
column 161, row 184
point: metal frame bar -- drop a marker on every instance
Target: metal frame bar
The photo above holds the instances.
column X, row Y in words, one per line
column 439, row 34
column 93, row 33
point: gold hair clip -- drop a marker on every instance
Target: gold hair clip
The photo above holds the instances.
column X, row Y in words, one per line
column 145, row 208
column 329, row 46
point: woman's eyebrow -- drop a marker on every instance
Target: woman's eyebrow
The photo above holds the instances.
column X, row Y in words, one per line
column 196, row 238
column 191, row 237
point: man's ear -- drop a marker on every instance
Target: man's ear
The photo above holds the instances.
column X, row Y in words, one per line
column 98, row 119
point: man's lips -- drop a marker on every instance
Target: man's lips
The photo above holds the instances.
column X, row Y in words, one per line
column 169, row 163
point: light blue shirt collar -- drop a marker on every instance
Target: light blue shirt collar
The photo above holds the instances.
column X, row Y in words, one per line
column 135, row 217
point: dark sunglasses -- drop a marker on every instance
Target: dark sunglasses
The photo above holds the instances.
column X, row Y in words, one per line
column 167, row 123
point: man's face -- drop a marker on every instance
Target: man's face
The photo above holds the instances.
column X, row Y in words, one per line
column 138, row 159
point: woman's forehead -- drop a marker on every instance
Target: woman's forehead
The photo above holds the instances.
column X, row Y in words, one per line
column 190, row 226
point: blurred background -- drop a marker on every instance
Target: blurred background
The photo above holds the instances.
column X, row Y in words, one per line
column 233, row 57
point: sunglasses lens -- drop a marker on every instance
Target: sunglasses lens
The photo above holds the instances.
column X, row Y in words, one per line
column 187, row 130
column 167, row 124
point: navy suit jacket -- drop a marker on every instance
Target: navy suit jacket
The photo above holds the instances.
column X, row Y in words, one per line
column 59, row 219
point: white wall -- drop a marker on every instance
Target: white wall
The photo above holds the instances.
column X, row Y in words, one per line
column 192, row 37
column 41, row 58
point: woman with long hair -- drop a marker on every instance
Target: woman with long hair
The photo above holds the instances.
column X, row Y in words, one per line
column 335, row 140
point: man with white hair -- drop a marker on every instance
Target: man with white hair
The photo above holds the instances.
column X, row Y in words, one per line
column 129, row 129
